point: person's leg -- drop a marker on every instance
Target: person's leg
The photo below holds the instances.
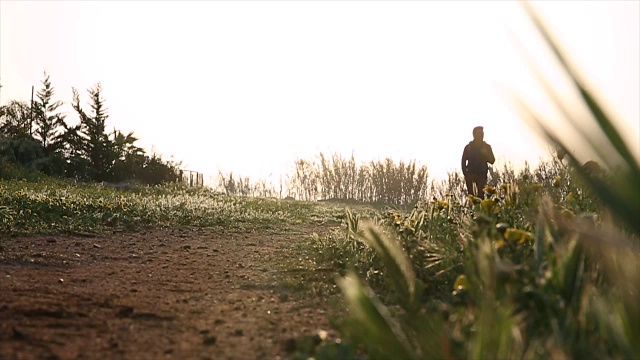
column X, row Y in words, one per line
column 469, row 180
column 481, row 182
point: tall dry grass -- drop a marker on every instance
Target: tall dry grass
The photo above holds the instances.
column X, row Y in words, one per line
column 336, row 177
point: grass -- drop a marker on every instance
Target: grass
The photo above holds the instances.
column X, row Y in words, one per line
column 335, row 177
column 535, row 270
column 54, row 206
column 545, row 266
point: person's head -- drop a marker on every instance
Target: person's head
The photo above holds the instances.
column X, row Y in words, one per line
column 478, row 133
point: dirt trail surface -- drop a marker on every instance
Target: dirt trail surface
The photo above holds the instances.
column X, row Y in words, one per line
column 158, row 294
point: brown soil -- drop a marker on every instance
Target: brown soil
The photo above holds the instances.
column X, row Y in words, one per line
column 177, row 293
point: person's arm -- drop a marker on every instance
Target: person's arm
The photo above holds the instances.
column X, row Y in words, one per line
column 490, row 157
column 464, row 160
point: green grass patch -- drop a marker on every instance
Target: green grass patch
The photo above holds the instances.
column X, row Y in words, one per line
column 55, row 206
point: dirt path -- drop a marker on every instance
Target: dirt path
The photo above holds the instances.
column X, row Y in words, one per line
column 180, row 293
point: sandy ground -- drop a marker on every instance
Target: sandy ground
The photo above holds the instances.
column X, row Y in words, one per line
column 158, row 294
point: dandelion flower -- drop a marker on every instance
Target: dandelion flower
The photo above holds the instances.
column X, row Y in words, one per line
column 518, row 235
column 489, row 190
column 487, row 205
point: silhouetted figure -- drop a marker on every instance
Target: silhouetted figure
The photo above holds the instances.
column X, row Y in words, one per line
column 475, row 159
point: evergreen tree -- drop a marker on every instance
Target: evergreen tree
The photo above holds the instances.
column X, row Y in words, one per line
column 48, row 122
column 93, row 142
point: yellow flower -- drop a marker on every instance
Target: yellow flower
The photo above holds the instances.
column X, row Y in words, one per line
column 489, row 190
column 442, row 204
column 487, row 204
column 461, row 283
column 397, row 219
column 499, row 244
column 518, row 235
column 474, row 200
column 570, row 197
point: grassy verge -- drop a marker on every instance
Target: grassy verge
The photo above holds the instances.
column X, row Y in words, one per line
column 53, row 206
column 545, row 266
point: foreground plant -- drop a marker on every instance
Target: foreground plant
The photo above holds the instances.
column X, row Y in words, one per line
column 563, row 287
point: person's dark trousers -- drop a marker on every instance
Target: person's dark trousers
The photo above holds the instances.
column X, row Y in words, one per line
column 479, row 180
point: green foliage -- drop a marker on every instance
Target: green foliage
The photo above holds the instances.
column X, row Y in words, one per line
column 533, row 288
column 94, row 143
column 15, row 119
column 54, row 206
column 532, row 279
column 83, row 152
column 48, row 123
column 617, row 188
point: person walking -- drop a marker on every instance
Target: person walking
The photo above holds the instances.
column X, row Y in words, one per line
column 475, row 159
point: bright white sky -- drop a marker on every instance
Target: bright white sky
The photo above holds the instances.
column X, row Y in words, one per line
column 249, row 86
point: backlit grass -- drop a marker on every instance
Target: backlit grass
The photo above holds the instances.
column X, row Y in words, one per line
column 53, row 206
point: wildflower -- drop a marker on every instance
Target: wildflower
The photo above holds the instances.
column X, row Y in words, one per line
column 518, row 235
column 499, row 244
column 489, row 190
column 474, row 200
column 442, row 204
column 487, row 205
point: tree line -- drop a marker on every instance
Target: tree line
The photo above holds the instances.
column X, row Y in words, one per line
column 35, row 138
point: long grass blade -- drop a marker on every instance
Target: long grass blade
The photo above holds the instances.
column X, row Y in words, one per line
column 623, row 201
column 603, row 120
column 394, row 258
column 375, row 317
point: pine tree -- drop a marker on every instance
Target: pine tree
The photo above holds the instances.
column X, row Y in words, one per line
column 95, row 145
column 48, row 122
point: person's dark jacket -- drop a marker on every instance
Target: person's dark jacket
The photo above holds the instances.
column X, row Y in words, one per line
column 476, row 157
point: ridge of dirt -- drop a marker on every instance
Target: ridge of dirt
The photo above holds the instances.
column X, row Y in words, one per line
column 157, row 294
